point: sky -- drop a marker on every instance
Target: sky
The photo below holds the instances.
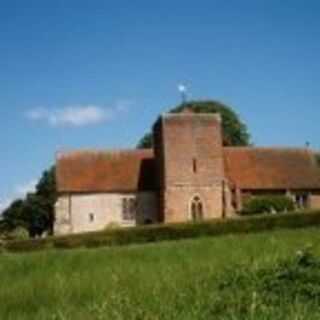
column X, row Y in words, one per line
column 96, row 73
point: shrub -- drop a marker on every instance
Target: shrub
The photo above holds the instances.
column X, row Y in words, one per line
column 253, row 292
column 32, row 244
column 268, row 204
column 154, row 233
column 113, row 225
column 19, row 233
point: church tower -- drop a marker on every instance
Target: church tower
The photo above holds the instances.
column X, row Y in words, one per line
column 190, row 171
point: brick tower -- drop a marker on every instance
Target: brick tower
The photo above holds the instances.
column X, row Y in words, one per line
column 188, row 150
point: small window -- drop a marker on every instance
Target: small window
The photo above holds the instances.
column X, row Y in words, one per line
column 194, row 165
column 91, row 217
column 302, row 200
column 128, row 208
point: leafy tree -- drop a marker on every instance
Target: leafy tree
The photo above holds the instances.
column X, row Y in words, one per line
column 46, row 191
column 36, row 211
column 317, row 157
column 234, row 131
column 12, row 215
column 35, row 216
column 146, row 141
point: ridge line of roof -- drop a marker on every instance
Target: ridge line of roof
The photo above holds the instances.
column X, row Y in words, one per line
column 269, row 148
column 63, row 153
column 192, row 114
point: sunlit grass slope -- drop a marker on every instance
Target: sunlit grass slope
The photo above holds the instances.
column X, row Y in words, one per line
column 168, row 280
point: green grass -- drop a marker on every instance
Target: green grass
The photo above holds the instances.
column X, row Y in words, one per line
column 170, row 280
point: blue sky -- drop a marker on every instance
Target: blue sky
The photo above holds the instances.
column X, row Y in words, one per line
column 95, row 74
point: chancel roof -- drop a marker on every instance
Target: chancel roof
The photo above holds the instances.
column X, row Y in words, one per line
column 272, row 168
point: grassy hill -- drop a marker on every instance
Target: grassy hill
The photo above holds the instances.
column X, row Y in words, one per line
column 266, row 275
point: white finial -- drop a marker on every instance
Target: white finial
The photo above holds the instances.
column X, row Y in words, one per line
column 183, row 90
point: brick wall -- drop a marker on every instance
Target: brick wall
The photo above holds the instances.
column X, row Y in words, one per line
column 188, row 149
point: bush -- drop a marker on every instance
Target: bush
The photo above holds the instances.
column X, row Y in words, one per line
column 161, row 232
column 253, row 292
column 268, row 204
column 113, row 225
column 19, row 233
column 31, row 244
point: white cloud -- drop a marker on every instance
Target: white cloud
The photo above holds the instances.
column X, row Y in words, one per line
column 69, row 116
column 77, row 116
column 19, row 192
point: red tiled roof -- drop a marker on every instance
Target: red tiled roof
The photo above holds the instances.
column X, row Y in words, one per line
column 271, row 168
column 105, row 171
column 134, row 170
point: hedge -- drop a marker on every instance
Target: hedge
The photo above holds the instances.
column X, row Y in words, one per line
column 268, row 204
column 160, row 232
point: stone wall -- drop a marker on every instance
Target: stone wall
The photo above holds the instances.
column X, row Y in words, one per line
column 62, row 224
column 91, row 212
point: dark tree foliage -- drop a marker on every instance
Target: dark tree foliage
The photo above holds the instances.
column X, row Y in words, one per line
column 36, row 211
column 146, row 141
column 12, row 215
column 234, row 131
column 317, row 157
column 46, row 191
column 35, row 215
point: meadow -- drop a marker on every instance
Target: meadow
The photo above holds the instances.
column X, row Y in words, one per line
column 244, row 276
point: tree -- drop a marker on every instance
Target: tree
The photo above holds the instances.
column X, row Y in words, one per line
column 46, row 191
column 35, row 214
column 146, row 141
column 317, row 157
column 36, row 211
column 12, row 215
column 234, row 131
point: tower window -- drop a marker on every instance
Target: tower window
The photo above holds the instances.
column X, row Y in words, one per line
column 194, row 165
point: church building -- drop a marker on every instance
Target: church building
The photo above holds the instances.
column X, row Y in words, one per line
column 188, row 175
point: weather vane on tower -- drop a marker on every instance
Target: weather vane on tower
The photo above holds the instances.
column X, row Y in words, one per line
column 183, row 91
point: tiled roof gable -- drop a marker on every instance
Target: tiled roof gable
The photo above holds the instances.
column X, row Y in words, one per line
column 105, row 171
column 272, row 168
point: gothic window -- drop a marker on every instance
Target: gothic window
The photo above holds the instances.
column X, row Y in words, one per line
column 196, row 208
column 128, row 208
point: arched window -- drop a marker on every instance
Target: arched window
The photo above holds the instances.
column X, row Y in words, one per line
column 196, row 208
